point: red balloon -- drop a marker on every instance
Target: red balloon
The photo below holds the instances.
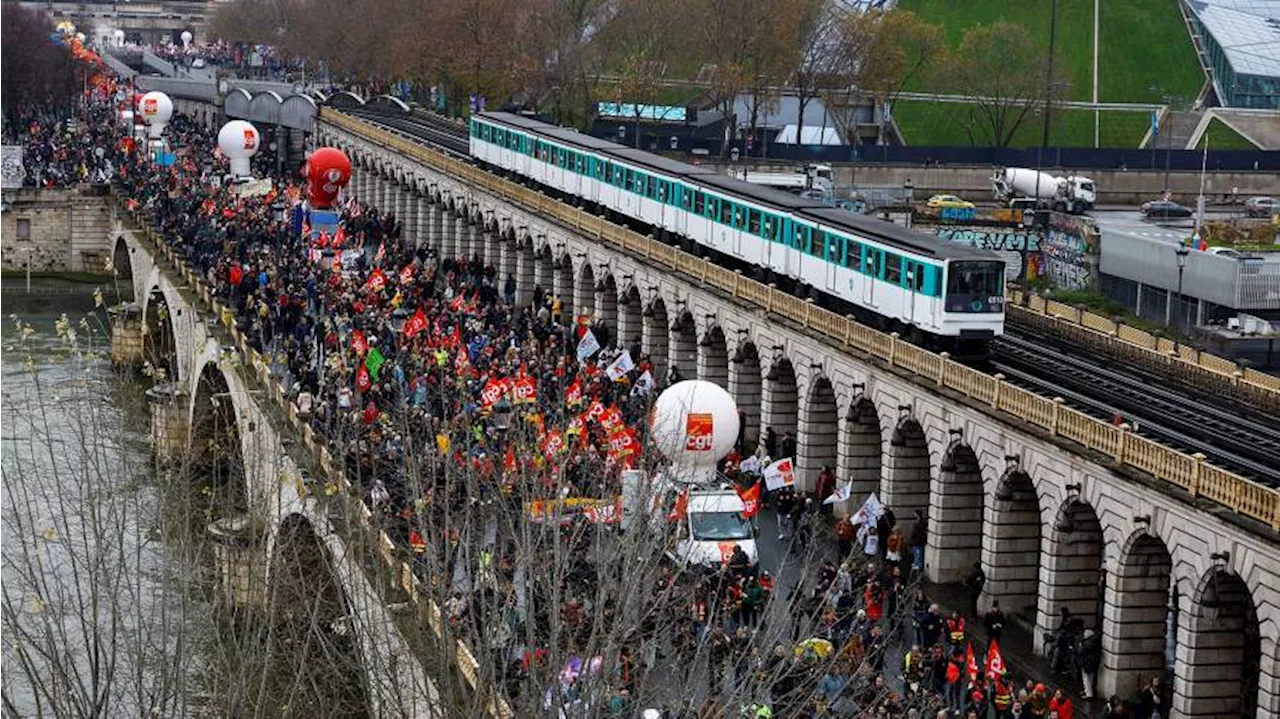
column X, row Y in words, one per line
column 328, row 171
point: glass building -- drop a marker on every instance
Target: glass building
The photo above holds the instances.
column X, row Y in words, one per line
column 1241, row 39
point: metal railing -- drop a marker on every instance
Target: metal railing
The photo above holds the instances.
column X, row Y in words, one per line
column 1189, row 472
column 468, row 668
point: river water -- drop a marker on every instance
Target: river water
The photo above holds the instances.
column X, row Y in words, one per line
column 100, row 617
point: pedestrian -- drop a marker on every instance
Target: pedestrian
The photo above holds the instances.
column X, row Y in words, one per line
column 846, row 534
column 993, row 620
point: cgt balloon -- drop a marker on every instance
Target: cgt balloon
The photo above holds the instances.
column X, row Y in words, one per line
column 328, row 170
column 239, row 141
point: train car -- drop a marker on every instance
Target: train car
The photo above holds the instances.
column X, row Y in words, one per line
column 933, row 291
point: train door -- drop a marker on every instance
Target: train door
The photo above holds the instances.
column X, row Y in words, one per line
column 870, row 273
column 834, row 260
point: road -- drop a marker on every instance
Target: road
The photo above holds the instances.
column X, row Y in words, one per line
column 1130, row 222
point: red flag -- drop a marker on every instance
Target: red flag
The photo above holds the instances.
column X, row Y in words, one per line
column 323, row 240
column 494, row 390
column 363, row 382
column 611, row 419
column 750, row 500
column 524, row 391
column 573, row 394
column 359, row 344
column 339, row 237
column 554, row 444
column 416, row 324
column 681, row 510
column 377, row 280
column 509, row 460
column 995, row 662
column 462, row 362
column 406, row 275
column 971, row 664
column 457, row 303
column 595, row 410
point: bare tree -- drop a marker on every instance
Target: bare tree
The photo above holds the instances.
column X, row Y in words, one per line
column 37, row 71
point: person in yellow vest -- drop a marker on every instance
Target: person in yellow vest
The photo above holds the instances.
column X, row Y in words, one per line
column 416, row 541
column 557, row 309
column 1001, row 697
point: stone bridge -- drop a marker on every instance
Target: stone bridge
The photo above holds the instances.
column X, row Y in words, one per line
column 216, row 390
column 1170, row 579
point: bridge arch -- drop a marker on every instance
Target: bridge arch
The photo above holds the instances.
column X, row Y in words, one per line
column 956, row 505
column 907, row 471
column 1072, row 556
column 563, row 286
column 631, row 319
column 122, row 264
column 713, row 357
column 584, row 298
column 1011, row 543
column 817, row 431
column 861, row 449
column 310, row 612
column 684, row 346
column 159, row 342
column 655, row 338
column 1135, row 614
column 544, row 272
column 779, row 406
column 747, row 387
column 217, row 457
column 606, row 299
column 1219, row 649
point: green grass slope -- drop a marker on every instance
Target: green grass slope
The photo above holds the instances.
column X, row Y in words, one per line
column 945, row 124
column 1221, row 136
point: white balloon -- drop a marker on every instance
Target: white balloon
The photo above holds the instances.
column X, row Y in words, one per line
column 186, row 37
column 695, row 424
column 239, row 141
column 156, row 109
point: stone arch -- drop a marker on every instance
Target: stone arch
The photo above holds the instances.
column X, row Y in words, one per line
column 544, row 272
column 606, row 303
column 563, row 286
column 122, row 264
column 310, row 611
column 216, row 458
column 684, row 346
column 779, row 406
column 1135, row 615
column 159, row 342
column 905, row 486
column 816, row 436
column 954, row 543
column 655, row 338
column 525, row 269
column 746, row 386
column 1219, row 649
column 1071, row 571
column 584, row 298
column 1011, row 544
column 713, row 357
column 861, row 451
column 631, row 318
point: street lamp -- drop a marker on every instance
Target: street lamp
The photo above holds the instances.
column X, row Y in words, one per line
column 1182, row 252
column 908, row 195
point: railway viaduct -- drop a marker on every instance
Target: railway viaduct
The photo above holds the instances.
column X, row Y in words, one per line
column 216, row 388
column 1134, row 540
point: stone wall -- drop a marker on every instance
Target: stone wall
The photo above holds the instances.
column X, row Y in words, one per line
column 66, row 230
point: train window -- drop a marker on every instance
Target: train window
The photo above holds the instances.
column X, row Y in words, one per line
column 802, row 238
column 835, row 247
column 699, row 202
column 739, row 218
column 975, row 287
column 753, row 221
column 631, row 180
column 770, row 227
column 726, row 212
column 871, row 262
column 892, row 269
column 662, row 190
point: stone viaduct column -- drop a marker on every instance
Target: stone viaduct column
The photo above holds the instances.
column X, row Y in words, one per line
column 859, row 450
column 409, row 221
column 526, row 263
column 492, row 249
column 422, row 221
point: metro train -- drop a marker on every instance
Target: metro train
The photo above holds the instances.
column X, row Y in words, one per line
column 936, row 293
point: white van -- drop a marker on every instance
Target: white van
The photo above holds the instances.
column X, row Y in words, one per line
column 712, row 527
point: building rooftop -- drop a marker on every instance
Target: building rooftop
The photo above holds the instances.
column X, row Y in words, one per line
column 1248, row 31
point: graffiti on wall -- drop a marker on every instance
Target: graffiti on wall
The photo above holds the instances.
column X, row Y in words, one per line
column 1007, row 244
column 1067, row 260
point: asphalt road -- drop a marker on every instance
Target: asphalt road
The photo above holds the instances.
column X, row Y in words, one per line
column 1130, row 222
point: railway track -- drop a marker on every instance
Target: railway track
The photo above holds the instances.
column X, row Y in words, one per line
column 1228, row 437
column 1232, row 437
column 441, row 134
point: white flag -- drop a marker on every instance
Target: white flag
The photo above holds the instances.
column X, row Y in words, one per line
column 840, row 495
column 644, row 384
column 779, row 474
column 870, row 511
column 587, row 346
column 750, row 465
column 621, row 366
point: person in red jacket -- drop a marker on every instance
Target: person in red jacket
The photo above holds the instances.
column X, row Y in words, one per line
column 1061, row 703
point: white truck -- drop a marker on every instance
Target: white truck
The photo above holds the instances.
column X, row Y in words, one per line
column 814, row 181
column 1025, row 188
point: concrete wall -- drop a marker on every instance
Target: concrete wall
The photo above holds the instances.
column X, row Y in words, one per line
column 1115, row 187
column 70, row 230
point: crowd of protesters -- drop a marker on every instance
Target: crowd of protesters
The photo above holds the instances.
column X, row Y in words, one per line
column 465, row 419
column 65, row 146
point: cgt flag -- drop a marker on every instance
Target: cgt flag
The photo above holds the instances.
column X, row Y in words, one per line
column 417, row 323
column 995, row 662
column 750, row 500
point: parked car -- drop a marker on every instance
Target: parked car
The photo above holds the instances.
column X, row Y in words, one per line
column 1164, row 208
column 941, row 201
column 1261, row 206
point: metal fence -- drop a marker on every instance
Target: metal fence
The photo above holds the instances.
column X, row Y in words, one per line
column 1239, row 283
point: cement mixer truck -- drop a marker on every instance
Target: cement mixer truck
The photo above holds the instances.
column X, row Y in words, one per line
column 1018, row 187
